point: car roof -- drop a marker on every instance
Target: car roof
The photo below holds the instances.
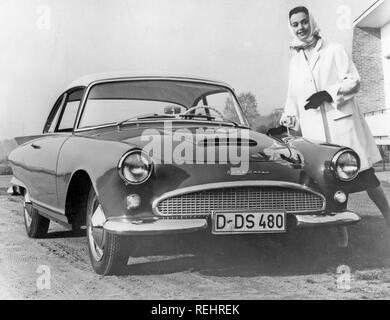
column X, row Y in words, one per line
column 90, row 78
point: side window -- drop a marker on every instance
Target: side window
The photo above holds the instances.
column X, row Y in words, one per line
column 54, row 115
column 69, row 111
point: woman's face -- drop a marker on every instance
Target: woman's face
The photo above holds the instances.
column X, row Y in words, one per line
column 301, row 25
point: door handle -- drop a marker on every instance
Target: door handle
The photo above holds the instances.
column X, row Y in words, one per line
column 35, row 146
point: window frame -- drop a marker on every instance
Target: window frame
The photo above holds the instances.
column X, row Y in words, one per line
column 57, row 107
column 63, row 107
column 134, row 79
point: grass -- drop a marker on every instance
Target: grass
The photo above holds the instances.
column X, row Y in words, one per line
column 372, row 275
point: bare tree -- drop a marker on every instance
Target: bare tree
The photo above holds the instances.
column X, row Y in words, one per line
column 249, row 107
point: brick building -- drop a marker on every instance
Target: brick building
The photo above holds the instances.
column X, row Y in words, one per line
column 371, row 54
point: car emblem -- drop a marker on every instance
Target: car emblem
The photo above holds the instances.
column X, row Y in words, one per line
column 236, row 172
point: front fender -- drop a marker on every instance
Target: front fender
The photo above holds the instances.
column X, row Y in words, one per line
column 318, row 158
column 99, row 159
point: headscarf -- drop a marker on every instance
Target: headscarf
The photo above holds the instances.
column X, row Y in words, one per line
column 298, row 44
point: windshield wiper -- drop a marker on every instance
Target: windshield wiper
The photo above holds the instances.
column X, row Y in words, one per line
column 236, row 124
column 146, row 116
column 193, row 115
column 204, row 116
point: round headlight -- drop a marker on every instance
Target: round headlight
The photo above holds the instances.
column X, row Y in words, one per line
column 346, row 165
column 135, row 167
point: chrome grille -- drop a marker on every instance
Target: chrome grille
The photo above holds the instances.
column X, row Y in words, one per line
column 241, row 198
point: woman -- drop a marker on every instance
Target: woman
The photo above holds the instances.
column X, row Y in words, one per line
column 320, row 101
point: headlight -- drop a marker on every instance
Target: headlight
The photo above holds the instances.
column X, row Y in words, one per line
column 135, row 167
column 346, row 164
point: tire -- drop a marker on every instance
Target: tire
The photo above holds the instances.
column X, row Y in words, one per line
column 35, row 224
column 108, row 252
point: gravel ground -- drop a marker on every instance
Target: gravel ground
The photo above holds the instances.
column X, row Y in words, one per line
column 200, row 266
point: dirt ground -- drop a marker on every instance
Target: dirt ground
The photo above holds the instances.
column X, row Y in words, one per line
column 200, row 266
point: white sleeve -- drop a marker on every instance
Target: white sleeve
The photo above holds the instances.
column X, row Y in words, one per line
column 349, row 80
column 291, row 105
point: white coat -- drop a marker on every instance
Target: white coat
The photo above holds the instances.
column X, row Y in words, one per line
column 329, row 68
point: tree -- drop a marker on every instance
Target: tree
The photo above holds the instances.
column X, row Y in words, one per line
column 269, row 121
column 249, row 107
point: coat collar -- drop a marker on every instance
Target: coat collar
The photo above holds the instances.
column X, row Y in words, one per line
column 316, row 54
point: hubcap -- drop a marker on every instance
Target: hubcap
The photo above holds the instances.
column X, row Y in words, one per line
column 27, row 211
column 95, row 231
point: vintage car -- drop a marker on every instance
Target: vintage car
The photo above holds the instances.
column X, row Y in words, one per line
column 125, row 156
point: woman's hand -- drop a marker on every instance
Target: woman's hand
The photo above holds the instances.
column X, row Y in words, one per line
column 288, row 121
column 276, row 131
column 317, row 99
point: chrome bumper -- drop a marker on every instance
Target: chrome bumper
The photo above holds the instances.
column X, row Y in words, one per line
column 339, row 218
column 170, row 226
column 161, row 226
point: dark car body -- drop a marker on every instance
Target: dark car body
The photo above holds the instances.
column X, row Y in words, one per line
column 59, row 167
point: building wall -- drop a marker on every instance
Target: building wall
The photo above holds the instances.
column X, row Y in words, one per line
column 367, row 55
column 385, row 35
column 379, row 126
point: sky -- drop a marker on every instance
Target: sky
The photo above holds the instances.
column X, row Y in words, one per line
column 44, row 45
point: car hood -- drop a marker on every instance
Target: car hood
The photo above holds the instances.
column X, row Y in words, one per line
column 191, row 145
column 268, row 160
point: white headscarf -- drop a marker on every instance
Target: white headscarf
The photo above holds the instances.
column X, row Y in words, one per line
column 298, row 44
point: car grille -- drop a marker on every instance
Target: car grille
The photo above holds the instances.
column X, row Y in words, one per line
column 241, row 198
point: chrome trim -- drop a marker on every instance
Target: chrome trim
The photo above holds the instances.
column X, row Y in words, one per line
column 160, row 226
column 336, row 157
column 106, row 76
column 95, row 127
column 98, row 217
column 15, row 181
column 170, row 226
column 232, row 184
column 142, row 121
column 183, row 79
column 341, row 218
column 123, row 158
column 48, row 207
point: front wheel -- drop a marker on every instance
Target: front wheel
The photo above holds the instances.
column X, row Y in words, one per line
column 36, row 225
column 108, row 252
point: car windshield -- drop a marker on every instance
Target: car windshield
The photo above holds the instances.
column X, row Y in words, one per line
column 114, row 102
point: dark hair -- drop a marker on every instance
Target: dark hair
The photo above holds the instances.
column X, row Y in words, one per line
column 297, row 10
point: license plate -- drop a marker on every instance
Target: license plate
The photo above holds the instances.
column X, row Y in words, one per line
column 248, row 222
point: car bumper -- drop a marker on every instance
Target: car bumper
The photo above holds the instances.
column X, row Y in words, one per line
column 158, row 226
column 170, row 226
column 339, row 218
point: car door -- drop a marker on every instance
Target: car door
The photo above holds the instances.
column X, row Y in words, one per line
column 43, row 152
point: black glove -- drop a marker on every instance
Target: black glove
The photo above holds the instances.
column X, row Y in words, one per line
column 317, row 99
column 276, row 131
